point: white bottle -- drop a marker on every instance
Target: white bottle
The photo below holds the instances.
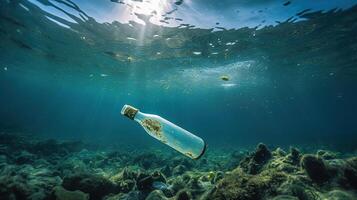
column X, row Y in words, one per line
column 167, row 132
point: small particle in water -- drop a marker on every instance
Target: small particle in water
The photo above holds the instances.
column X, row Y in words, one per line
column 90, row 75
column 130, row 38
column 287, row 3
column 5, row 68
column 155, row 36
column 228, row 85
column 179, row 2
column 225, row 78
column 214, row 53
column 331, row 74
column 158, row 53
column 103, row 75
column 197, row 53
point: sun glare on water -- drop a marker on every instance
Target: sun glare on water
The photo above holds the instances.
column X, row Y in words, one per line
column 150, row 7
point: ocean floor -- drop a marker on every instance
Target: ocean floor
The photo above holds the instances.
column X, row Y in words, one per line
column 50, row 169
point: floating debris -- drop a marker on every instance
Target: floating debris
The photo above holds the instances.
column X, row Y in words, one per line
column 5, row 68
column 227, row 85
column 172, row 11
column 104, row 75
column 303, row 12
column 225, row 78
column 24, row 7
column 197, row 53
column 131, row 38
column 230, row 43
column 287, row 3
column 117, row 1
column 179, row 2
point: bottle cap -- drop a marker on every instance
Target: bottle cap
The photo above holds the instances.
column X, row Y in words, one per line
column 129, row 111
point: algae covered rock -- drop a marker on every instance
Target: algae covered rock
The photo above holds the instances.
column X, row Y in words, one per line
column 339, row 195
column 285, row 197
column 156, row 195
column 351, row 172
column 326, row 155
column 242, row 186
column 96, row 186
column 183, row 195
column 315, row 168
column 62, row 194
column 179, row 169
column 255, row 162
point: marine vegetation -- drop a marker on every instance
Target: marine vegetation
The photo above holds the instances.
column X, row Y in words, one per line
column 50, row 169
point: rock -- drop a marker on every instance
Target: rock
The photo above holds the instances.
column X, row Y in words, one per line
column 187, row 163
column 326, row 155
column 24, row 157
column 127, row 173
column 218, row 176
column 294, row 156
column 351, row 176
column 297, row 189
column 156, row 195
column 177, row 183
column 62, row 194
column 178, row 170
column 183, row 195
column 339, row 195
column 284, row 197
column 166, row 170
column 148, row 160
column 96, row 186
column 133, row 195
column 255, row 162
column 240, row 185
column 146, row 182
column 315, row 168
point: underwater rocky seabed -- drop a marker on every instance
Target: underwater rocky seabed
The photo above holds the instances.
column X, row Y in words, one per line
column 50, row 169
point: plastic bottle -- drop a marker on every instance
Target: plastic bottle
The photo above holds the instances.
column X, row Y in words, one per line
column 167, row 132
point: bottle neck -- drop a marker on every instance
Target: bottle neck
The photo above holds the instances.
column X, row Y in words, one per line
column 139, row 116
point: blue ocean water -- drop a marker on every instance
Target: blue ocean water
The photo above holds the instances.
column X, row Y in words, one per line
column 66, row 71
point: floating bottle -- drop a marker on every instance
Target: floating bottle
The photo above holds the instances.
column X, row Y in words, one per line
column 167, row 132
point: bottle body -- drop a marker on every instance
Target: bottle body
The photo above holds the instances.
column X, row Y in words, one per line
column 171, row 134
